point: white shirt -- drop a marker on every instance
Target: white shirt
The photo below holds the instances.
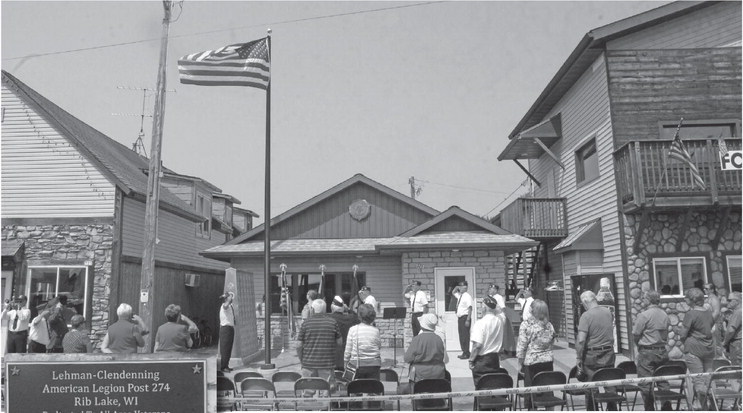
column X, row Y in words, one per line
column 24, row 316
column 488, row 331
column 464, row 302
column 226, row 316
column 371, row 300
column 499, row 299
column 525, row 307
column 39, row 331
column 418, row 301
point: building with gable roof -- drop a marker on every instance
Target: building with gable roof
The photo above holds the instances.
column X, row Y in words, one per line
column 73, row 215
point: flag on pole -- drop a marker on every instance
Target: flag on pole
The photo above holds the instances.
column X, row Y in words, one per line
column 678, row 151
column 722, row 146
column 242, row 64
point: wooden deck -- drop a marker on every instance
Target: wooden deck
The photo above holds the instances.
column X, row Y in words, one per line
column 536, row 218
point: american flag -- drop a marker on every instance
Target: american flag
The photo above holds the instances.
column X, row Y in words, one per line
column 242, row 64
column 678, row 151
column 722, row 146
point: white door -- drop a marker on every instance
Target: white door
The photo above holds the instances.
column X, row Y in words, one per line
column 446, row 280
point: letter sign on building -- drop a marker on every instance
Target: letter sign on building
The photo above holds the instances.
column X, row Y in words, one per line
column 733, row 160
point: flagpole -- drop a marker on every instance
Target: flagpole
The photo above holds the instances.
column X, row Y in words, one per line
column 267, row 224
column 665, row 164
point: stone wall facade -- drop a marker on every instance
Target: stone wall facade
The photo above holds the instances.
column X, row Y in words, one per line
column 661, row 239
column 60, row 244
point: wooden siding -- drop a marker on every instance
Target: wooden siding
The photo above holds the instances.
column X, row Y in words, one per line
column 43, row 175
column 183, row 189
column 453, row 224
column 198, row 301
column 383, row 274
column 586, row 115
column 178, row 240
column 650, row 86
column 330, row 218
column 715, row 26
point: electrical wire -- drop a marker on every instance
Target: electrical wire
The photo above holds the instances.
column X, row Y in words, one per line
column 458, row 187
column 505, row 199
column 328, row 16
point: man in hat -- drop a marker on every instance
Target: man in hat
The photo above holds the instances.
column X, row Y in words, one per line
column 487, row 340
column 18, row 317
column 418, row 304
column 339, row 313
column 464, row 317
column 651, row 336
column 494, row 291
column 524, row 298
column 732, row 333
column 367, row 298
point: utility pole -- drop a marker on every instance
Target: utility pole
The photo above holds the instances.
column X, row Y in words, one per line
column 147, row 280
column 411, row 181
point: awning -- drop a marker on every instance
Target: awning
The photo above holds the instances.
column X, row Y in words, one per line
column 11, row 248
column 535, row 141
column 587, row 236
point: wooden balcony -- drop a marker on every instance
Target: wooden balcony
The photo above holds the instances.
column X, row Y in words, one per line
column 642, row 182
column 536, row 218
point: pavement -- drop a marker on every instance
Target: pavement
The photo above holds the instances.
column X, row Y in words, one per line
column 564, row 360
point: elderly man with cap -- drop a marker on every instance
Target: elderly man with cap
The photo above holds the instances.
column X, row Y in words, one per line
column 367, row 298
column 464, row 317
column 594, row 346
column 487, row 340
column 650, row 333
column 339, row 313
column 426, row 352
column 77, row 340
column 18, row 317
column 732, row 333
column 418, row 304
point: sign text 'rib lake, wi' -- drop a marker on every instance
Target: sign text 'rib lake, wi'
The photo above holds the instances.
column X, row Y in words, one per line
column 142, row 386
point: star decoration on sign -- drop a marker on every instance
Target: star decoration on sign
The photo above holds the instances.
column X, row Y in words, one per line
column 15, row 371
column 196, row 369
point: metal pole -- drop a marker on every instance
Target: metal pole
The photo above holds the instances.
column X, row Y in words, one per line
column 147, row 284
column 267, row 226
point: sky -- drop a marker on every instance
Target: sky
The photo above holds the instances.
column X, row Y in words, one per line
column 392, row 90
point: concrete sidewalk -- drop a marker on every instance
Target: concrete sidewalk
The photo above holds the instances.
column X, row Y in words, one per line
column 564, row 360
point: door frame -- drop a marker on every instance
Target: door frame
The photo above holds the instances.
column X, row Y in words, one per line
column 439, row 273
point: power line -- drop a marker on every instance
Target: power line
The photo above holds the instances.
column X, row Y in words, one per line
column 505, row 199
column 328, row 16
column 459, row 187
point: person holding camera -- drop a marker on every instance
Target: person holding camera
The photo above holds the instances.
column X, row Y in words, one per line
column 418, row 304
column 126, row 334
column 19, row 318
column 464, row 317
column 227, row 330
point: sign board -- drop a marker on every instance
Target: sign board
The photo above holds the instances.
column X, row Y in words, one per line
column 106, row 386
column 732, row 160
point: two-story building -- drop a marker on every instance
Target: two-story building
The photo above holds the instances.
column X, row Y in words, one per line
column 613, row 210
column 73, row 211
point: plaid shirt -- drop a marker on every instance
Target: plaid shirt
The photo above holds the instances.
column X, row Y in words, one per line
column 76, row 341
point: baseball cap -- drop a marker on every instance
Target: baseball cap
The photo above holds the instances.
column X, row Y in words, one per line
column 490, row 302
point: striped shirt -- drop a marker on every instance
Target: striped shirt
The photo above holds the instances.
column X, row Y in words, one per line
column 319, row 335
column 367, row 350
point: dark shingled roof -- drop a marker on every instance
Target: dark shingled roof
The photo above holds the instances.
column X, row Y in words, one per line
column 124, row 167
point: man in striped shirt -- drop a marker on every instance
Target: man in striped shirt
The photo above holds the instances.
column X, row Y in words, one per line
column 318, row 339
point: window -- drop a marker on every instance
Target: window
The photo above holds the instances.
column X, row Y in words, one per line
column 699, row 130
column 340, row 284
column 204, row 207
column 734, row 272
column 47, row 282
column 674, row 275
column 586, row 162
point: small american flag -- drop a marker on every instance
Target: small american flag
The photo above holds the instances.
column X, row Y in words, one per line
column 678, row 151
column 722, row 146
column 242, row 64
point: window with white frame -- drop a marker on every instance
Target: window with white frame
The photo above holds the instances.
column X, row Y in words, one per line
column 586, row 162
column 674, row 275
column 48, row 281
column 699, row 130
column 204, row 207
column 734, row 272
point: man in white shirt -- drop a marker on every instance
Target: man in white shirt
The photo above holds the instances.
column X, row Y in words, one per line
column 418, row 304
column 487, row 340
column 494, row 291
column 367, row 298
column 524, row 297
column 227, row 330
column 464, row 317
column 18, row 318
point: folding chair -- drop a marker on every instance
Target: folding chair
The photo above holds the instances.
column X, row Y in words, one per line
column 241, row 375
column 447, row 376
column 721, row 388
column 370, row 387
column 225, row 389
column 661, row 396
column 680, row 363
column 630, row 368
column 319, row 388
column 432, row 386
column 494, row 381
column 389, row 376
column 283, row 382
column 257, row 387
column 608, row 396
column 548, row 378
column 574, row 375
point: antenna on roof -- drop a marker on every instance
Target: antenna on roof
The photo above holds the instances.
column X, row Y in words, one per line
column 138, row 145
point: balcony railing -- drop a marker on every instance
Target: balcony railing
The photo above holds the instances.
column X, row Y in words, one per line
column 536, row 218
column 647, row 177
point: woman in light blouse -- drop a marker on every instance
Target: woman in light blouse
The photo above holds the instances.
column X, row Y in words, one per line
column 363, row 345
column 534, row 349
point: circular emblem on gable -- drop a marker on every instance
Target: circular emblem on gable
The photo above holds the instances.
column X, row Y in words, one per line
column 359, row 209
